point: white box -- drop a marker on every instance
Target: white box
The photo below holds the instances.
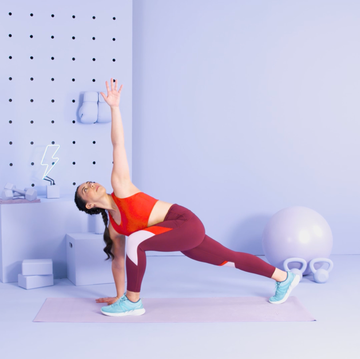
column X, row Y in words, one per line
column 37, row 267
column 35, row 281
column 41, row 233
column 86, row 263
column 53, row 191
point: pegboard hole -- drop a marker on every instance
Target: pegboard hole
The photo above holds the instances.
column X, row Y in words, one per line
column 93, row 80
column 114, row 18
column 73, row 59
column 74, row 163
column 31, row 143
column 31, row 36
column 73, row 37
column 33, row 185
column 74, row 142
column 10, row 57
column 31, row 121
column 32, row 163
column 52, row 121
column 53, row 142
column 10, row 35
column 52, row 79
column 31, row 100
column 94, row 142
column 10, row 143
column 10, row 78
column 73, row 80
column 114, row 39
column 52, row 15
column 10, row 13
column 74, row 121
column 52, row 58
column 94, row 163
column 31, row 57
column 94, row 17
column 94, row 59
column 10, row 121
column 52, row 36
column 74, row 183
column 31, row 14
column 114, row 60
column 11, row 164
column 10, row 99
column 52, row 100
column 93, row 38
column 73, row 101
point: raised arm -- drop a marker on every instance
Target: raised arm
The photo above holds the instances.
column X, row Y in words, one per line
column 120, row 177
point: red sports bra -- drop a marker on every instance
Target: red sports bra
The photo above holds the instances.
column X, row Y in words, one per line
column 134, row 211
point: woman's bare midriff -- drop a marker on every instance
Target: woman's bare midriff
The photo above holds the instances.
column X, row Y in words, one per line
column 159, row 212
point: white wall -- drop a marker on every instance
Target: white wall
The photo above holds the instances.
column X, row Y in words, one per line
column 38, row 230
column 242, row 108
column 66, row 128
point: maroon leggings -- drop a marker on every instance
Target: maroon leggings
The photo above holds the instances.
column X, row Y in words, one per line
column 183, row 231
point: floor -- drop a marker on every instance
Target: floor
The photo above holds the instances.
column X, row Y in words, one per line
column 335, row 305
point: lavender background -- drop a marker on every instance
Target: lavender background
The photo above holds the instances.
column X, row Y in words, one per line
column 242, row 108
column 234, row 109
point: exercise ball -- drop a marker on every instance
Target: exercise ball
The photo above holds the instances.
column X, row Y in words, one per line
column 296, row 232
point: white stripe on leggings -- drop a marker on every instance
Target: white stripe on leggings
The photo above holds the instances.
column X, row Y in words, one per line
column 133, row 242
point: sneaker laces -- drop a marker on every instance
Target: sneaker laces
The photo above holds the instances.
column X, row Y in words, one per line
column 278, row 288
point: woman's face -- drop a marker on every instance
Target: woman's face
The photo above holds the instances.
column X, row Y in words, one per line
column 91, row 192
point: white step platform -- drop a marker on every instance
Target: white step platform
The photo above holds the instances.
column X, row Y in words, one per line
column 86, row 263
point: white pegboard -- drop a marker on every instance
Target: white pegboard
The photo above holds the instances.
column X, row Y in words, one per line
column 44, row 97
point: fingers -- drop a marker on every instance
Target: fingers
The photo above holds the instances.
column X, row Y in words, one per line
column 113, row 86
column 103, row 300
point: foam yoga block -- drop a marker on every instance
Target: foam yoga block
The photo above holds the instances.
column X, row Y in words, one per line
column 37, row 267
column 86, row 263
column 35, row 281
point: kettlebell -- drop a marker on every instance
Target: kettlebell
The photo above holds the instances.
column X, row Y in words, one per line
column 321, row 275
column 297, row 271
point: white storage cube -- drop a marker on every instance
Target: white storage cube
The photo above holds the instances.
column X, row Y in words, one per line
column 37, row 267
column 35, row 281
column 52, row 191
column 86, row 263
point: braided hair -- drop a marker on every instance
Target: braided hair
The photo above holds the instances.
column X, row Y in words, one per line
column 81, row 205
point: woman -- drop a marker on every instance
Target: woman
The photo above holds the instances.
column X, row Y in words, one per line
column 154, row 225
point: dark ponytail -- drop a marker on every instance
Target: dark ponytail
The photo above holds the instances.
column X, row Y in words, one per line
column 81, row 205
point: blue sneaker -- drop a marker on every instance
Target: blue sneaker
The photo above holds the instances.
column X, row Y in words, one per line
column 124, row 306
column 283, row 289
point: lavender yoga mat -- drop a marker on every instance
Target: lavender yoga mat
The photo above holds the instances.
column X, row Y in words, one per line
column 178, row 310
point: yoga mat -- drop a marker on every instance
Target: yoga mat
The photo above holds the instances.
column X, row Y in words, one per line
column 178, row 310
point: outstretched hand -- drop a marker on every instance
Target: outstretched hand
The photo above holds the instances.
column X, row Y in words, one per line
column 108, row 301
column 113, row 94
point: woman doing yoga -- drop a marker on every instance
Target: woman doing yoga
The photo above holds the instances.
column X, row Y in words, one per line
column 154, row 225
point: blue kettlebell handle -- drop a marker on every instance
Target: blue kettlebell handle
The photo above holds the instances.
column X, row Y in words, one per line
column 319, row 260
column 297, row 260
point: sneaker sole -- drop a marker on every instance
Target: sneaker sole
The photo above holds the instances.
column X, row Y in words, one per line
column 293, row 284
column 131, row 312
